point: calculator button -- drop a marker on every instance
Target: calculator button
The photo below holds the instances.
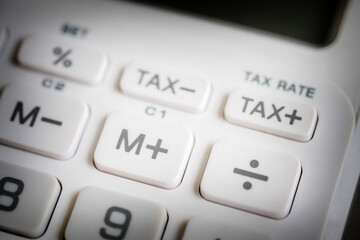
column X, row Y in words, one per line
column 27, row 200
column 271, row 114
column 251, row 178
column 203, row 229
column 102, row 214
column 166, row 87
column 70, row 61
column 148, row 150
column 41, row 121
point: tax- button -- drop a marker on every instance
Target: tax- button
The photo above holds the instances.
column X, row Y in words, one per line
column 271, row 114
column 167, row 87
column 103, row 214
column 147, row 150
column 251, row 178
column 78, row 63
column 27, row 200
column 41, row 121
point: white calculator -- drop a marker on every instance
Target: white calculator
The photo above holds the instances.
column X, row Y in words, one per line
column 178, row 120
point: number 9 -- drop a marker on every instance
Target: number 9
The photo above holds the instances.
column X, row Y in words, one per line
column 123, row 227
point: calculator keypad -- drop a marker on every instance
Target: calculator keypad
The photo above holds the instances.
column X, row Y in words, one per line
column 27, row 200
column 165, row 186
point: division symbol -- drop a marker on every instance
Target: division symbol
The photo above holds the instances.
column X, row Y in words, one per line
column 254, row 164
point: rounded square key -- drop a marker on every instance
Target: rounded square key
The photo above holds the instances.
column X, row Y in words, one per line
column 251, row 178
column 41, row 121
column 165, row 86
column 271, row 114
column 27, row 200
column 103, row 214
column 148, row 150
column 76, row 62
column 204, row 229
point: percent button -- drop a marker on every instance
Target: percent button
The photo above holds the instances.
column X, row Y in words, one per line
column 62, row 56
column 63, row 59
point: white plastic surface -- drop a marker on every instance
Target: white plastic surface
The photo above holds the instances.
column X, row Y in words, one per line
column 126, row 217
column 151, row 151
column 166, row 86
column 272, row 114
column 251, row 177
column 27, row 200
column 222, row 54
column 45, row 123
column 60, row 58
column 203, row 229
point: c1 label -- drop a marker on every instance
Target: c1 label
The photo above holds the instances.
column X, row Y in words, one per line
column 153, row 111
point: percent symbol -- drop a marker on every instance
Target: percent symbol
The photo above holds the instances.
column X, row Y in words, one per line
column 62, row 56
column 254, row 164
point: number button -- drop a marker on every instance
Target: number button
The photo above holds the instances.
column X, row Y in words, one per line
column 27, row 200
column 14, row 195
column 102, row 214
column 122, row 227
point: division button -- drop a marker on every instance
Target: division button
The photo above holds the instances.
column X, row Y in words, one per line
column 271, row 114
column 27, row 200
column 63, row 59
column 111, row 215
column 41, row 121
column 251, row 178
column 147, row 150
column 166, row 87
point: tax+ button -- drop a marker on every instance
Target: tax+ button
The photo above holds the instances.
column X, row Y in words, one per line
column 271, row 114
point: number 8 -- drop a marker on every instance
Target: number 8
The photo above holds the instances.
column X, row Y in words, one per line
column 14, row 195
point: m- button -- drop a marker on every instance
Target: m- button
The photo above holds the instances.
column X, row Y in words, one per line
column 39, row 121
column 143, row 149
column 271, row 114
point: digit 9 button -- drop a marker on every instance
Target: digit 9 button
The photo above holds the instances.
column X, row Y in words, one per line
column 103, row 214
